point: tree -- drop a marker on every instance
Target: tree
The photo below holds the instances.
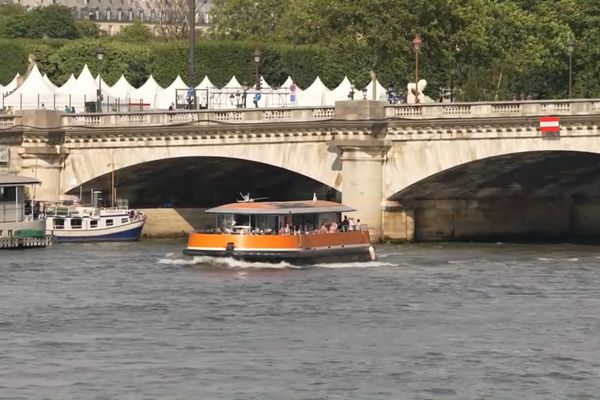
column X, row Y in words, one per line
column 53, row 21
column 135, row 33
column 172, row 17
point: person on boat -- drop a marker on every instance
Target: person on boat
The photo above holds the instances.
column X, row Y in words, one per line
column 324, row 228
column 344, row 224
column 351, row 224
column 333, row 228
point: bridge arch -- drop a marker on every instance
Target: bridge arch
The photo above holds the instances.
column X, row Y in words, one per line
column 411, row 162
column 315, row 161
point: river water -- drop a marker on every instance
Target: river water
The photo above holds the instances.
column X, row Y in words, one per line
column 430, row 321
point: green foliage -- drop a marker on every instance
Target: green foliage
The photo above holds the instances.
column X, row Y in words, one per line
column 13, row 60
column 53, row 21
column 135, row 33
column 488, row 49
column 87, row 29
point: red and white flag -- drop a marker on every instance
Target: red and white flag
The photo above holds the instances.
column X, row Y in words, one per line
column 549, row 124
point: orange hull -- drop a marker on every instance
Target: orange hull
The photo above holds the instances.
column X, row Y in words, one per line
column 280, row 247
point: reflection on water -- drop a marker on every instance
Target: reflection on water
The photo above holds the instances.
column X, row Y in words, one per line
column 140, row 320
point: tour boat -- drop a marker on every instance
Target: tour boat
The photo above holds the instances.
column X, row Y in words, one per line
column 294, row 231
column 94, row 224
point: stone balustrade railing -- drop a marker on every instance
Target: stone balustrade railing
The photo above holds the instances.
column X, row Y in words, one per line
column 199, row 117
column 493, row 109
column 7, row 121
column 300, row 114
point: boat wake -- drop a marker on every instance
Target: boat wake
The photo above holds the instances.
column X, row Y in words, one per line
column 230, row 263
column 222, row 262
column 358, row 264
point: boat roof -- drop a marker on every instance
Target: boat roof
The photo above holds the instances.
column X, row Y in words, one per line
column 281, row 207
column 15, row 180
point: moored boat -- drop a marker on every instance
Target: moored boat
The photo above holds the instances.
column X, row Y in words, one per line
column 295, row 231
column 94, row 224
column 20, row 225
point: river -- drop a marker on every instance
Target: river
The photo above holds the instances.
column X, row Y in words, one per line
column 424, row 321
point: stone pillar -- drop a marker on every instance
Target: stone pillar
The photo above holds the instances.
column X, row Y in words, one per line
column 44, row 164
column 362, row 168
column 362, row 161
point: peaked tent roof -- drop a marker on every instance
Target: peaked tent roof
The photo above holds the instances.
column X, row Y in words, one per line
column 314, row 95
column 233, row 84
column 86, row 85
column 49, row 82
column 68, row 86
column 147, row 93
column 168, row 95
column 12, row 85
column 121, row 89
column 380, row 91
column 341, row 91
column 205, row 84
column 32, row 93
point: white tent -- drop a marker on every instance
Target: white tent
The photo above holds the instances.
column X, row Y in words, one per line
column 380, row 92
column 146, row 94
column 83, row 90
column 49, row 82
column 286, row 94
column 341, row 92
column 175, row 93
column 12, row 85
column 230, row 95
column 62, row 93
column 205, row 92
column 121, row 89
column 315, row 95
column 34, row 93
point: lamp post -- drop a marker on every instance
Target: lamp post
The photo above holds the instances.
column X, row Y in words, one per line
column 257, row 56
column 454, row 70
column 100, row 57
column 416, row 43
column 570, row 50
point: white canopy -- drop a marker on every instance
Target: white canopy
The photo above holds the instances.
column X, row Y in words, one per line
column 146, row 94
column 205, row 92
column 168, row 96
column 314, row 95
column 340, row 92
column 33, row 93
column 380, row 91
column 68, row 86
column 120, row 90
column 12, row 85
column 49, row 82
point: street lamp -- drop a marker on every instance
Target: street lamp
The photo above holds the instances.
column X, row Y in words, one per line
column 570, row 50
column 351, row 92
column 257, row 56
column 100, row 57
column 456, row 53
column 416, row 43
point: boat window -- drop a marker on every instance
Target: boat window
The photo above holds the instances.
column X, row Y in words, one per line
column 76, row 223
column 109, row 222
column 8, row 193
column 93, row 224
column 124, row 220
column 59, row 223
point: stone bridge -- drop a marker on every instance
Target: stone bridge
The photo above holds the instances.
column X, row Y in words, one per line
column 428, row 172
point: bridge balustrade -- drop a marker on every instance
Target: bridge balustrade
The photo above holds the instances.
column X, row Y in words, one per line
column 492, row 109
column 160, row 118
column 8, row 120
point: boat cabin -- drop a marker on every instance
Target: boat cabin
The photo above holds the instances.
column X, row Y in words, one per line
column 16, row 212
column 280, row 217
